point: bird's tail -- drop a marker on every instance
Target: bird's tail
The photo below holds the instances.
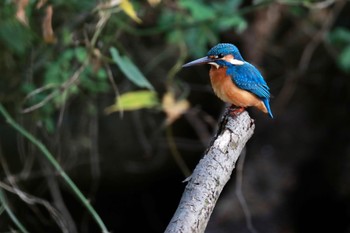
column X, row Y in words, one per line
column 267, row 105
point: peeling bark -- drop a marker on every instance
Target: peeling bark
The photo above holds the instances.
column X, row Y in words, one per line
column 211, row 174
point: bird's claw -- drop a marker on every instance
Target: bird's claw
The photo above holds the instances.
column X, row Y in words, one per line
column 235, row 111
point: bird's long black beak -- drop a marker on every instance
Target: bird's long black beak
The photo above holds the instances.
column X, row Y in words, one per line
column 199, row 61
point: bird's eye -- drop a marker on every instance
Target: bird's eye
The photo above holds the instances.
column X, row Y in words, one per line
column 216, row 56
column 220, row 55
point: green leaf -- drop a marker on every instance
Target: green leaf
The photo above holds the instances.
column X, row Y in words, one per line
column 81, row 54
column 197, row 39
column 344, row 59
column 66, row 37
column 175, row 36
column 27, row 87
column 167, row 17
column 101, row 75
column 59, row 70
column 199, row 10
column 49, row 124
column 339, row 36
column 129, row 69
column 236, row 21
column 15, row 36
column 134, row 100
column 226, row 8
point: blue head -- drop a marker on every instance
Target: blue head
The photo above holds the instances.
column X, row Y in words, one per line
column 223, row 54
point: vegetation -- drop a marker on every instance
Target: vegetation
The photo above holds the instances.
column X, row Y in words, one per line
column 67, row 68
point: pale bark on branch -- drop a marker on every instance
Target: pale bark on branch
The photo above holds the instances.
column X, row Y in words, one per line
column 211, row 174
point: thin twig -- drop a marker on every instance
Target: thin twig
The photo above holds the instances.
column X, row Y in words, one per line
column 67, row 223
column 115, row 89
column 104, row 16
column 293, row 78
column 178, row 65
column 29, row 199
column 56, row 165
column 39, row 90
column 239, row 193
column 41, row 103
column 63, row 87
column 32, row 200
column 175, row 152
column 10, row 213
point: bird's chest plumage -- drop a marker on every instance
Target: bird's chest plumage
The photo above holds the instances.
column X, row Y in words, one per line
column 228, row 91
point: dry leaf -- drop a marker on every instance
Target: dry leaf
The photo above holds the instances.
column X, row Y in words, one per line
column 128, row 8
column 173, row 109
column 109, row 4
column 125, row 5
column 154, row 2
column 21, row 11
column 40, row 4
column 48, row 34
column 134, row 100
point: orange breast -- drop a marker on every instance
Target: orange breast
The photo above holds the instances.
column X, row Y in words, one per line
column 227, row 91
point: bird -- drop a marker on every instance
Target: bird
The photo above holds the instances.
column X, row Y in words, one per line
column 234, row 80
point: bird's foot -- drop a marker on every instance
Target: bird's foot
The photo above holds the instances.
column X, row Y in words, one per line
column 235, row 111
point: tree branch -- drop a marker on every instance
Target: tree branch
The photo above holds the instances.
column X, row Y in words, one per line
column 211, row 174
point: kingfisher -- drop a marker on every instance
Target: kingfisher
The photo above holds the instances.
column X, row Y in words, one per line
column 235, row 80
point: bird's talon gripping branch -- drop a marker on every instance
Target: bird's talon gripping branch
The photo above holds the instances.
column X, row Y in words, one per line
column 235, row 111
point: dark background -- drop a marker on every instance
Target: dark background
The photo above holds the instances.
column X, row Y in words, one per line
column 296, row 175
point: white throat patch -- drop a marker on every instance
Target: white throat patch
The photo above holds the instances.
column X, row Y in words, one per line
column 214, row 64
column 235, row 62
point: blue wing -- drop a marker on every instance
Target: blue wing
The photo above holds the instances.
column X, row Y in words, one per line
column 247, row 77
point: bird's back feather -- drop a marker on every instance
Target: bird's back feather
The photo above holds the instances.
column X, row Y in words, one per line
column 248, row 78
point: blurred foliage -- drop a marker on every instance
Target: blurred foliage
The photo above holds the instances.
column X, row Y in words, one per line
column 134, row 100
column 173, row 108
column 340, row 38
column 130, row 70
column 199, row 23
column 51, row 70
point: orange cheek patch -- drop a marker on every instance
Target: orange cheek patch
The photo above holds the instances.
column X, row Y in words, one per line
column 229, row 57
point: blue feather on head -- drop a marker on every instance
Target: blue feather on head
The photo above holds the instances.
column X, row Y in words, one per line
column 224, row 49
